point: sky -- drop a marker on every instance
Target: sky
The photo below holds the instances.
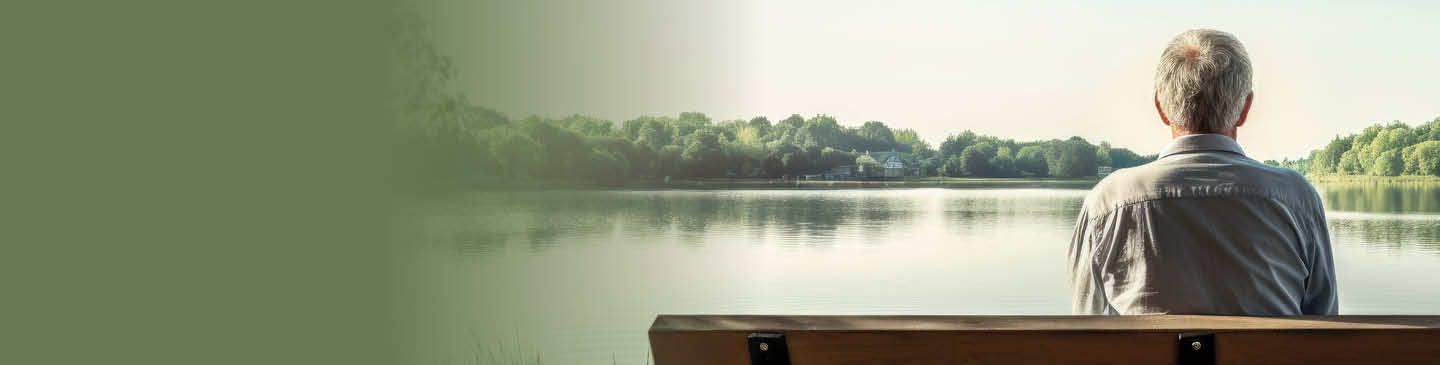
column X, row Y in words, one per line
column 1020, row 70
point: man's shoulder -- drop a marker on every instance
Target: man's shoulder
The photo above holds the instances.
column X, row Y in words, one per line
column 1122, row 186
column 1199, row 176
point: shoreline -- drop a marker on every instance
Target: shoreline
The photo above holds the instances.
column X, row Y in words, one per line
column 927, row 182
column 783, row 184
column 1338, row 179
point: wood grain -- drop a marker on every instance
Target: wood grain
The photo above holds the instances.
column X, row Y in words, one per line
column 708, row 339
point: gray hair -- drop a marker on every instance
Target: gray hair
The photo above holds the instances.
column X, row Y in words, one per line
column 1203, row 80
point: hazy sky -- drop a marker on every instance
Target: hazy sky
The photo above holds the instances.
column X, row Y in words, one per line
column 1031, row 70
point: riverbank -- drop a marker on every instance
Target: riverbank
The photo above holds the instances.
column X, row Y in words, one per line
column 925, row 182
column 1346, row 179
column 764, row 183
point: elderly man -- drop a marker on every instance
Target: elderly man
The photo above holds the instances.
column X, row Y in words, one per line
column 1203, row 229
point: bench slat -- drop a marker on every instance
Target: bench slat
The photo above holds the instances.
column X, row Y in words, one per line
column 719, row 339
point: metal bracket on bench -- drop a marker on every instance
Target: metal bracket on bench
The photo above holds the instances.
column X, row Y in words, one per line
column 768, row 349
column 1195, row 349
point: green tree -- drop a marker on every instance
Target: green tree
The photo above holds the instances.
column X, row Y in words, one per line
column 668, row 161
column 1327, row 160
column 1389, row 138
column 1350, row 163
column 750, row 135
column 952, row 167
column 1031, row 160
column 955, row 144
column 637, row 159
column 909, row 141
column 876, row 136
column 1388, row 164
column 586, row 125
column 773, row 166
column 794, row 121
column 830, row 157
column 514, row 152
column 1423, row 158
column 608, row 168
column 630, row 129
column 1102, row 154
column 564, row 148
column 1071, row 158
column 1364, row 150
column 1003, row 164
column 928, row 166
column 655, row 134
column 819, row 132
column 689, row 122
column 1431, row 130
column 703, row 155
column 1373, row 151
column 761, row 126
column 1122, row 158
column 975, row 160
column 867, row 163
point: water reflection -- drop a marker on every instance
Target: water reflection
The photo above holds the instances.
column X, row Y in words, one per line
column 1395, row 234
column 581, row 273
column 485, row 223
column 1393, row 218
column 1387, row 197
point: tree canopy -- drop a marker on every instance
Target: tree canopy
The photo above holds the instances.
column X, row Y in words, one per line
column 1392, row 149
column 468, row 145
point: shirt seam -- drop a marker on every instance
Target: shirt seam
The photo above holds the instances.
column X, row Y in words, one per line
column 1127, row 203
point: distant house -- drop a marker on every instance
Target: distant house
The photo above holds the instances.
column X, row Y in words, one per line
column 1103, row 170
column 889, row 165
column 841, row 172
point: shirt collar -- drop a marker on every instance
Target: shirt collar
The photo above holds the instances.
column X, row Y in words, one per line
column 1201, row 142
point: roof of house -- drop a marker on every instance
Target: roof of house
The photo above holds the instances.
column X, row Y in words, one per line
column 881, row 157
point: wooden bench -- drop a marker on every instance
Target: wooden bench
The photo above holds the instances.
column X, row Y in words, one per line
column 1154, row 339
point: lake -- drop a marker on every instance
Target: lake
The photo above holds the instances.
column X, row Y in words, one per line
column 576, row 277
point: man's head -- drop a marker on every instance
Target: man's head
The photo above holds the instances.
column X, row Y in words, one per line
column 1202, row 84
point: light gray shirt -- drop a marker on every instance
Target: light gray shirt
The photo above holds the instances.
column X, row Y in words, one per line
column 1202, row 230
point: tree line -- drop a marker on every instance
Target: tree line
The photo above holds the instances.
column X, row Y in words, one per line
column 452, row 142
column 1392, row 149
column 487, row 147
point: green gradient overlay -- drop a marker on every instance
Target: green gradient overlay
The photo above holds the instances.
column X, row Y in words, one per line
column 195, row 183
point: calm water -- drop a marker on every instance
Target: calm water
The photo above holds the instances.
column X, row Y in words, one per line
column 576, row 277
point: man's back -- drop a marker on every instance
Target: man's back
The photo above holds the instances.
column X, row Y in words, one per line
column 1202, row 230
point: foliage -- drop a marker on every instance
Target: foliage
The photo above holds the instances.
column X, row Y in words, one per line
column 1031, row 161
column 465, row 146
column 651, row 147
column 1071, row 158
column 908, row 141
column 866, row 161
column 1379, row 150
column 1119, row 158
column 1422, row 159
column 952, row 167
column 975, row 159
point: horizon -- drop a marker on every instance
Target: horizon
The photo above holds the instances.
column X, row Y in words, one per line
column 1004, row 70
column 616, row 123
